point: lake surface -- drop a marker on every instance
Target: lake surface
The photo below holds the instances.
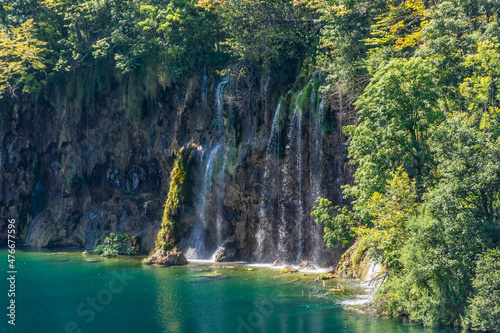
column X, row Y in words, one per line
column 70, row 292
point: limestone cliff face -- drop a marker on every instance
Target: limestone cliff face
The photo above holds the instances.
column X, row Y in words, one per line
column 73, row 170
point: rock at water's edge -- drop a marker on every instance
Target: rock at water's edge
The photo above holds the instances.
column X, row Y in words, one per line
column 306, row 265
column 277, row 263
column 227, row 251
column 160, row 257
column 289, row 269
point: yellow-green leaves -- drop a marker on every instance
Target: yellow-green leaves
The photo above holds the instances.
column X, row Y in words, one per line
column 390, row 211
column 20, row 59
column 400, row 25
column 481, row 89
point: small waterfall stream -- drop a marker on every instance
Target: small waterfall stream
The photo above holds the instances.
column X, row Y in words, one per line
column 37, row 206
column 286, row 195
column 219, row 107
column 316, row 174
column 300, row 179
column 272, row 153
column 29, row 231
column 220, row 200
column 197, row 240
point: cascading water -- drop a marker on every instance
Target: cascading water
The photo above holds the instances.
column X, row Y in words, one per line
column 219, row 99
column 316, row 176
column 300, row 176
column 29, row 232
column 295, row 236
column 204, row 86
column 286, row 195
column 272, row 151
column 220, row 199
column 197, row 239
column 316, row 116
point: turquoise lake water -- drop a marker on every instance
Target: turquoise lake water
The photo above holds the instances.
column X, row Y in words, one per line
column 69, row 292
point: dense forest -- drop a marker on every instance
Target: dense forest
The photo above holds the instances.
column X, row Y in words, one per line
column 422, row 76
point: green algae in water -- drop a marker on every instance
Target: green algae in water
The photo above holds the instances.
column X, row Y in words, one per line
column 54, row 290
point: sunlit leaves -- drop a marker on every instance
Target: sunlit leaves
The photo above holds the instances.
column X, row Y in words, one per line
column 390, row 211
column 20, row 59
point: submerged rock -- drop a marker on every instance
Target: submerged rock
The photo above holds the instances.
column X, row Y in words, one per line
column 173, row 258
column 306, row 265
column 289, row 269
column 329, row 274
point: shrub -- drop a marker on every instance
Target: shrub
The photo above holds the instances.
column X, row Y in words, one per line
column 116, row 244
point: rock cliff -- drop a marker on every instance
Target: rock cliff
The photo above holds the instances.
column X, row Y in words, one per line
column 76, row 166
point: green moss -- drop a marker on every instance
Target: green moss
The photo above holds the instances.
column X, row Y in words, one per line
column 360, row 250
column 328, row 128
column 170, row 227
column 304, row 98
column 232, row 157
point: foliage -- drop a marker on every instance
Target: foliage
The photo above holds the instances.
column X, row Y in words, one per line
column 483, row 312
column 116, row 244
column 396, row 110
column 426, row 195
column 20, row 59
column 174, row 37
column 337, row 231
column 264, row 32
column 390, row 211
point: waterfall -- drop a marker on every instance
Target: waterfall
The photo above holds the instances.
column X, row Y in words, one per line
column 300, row 176
column 219, row 98
column 286, row 195
column 37, row 206
column 296, row 236
column 204, row 86
column 91, row 234
column 220, row 199
column 197, row 239
column 29, row 231
column 272, row 151
column 316, row 176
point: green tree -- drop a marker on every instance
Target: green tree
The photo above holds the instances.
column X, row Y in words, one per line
column 21, row 60
column 390, row 211
column 483, row 312
column 265, row 32
column 337, row 231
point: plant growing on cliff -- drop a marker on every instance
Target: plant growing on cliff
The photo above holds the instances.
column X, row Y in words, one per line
column 169, row 232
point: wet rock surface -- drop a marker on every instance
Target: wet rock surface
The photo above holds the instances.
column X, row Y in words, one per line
column 227, row 251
